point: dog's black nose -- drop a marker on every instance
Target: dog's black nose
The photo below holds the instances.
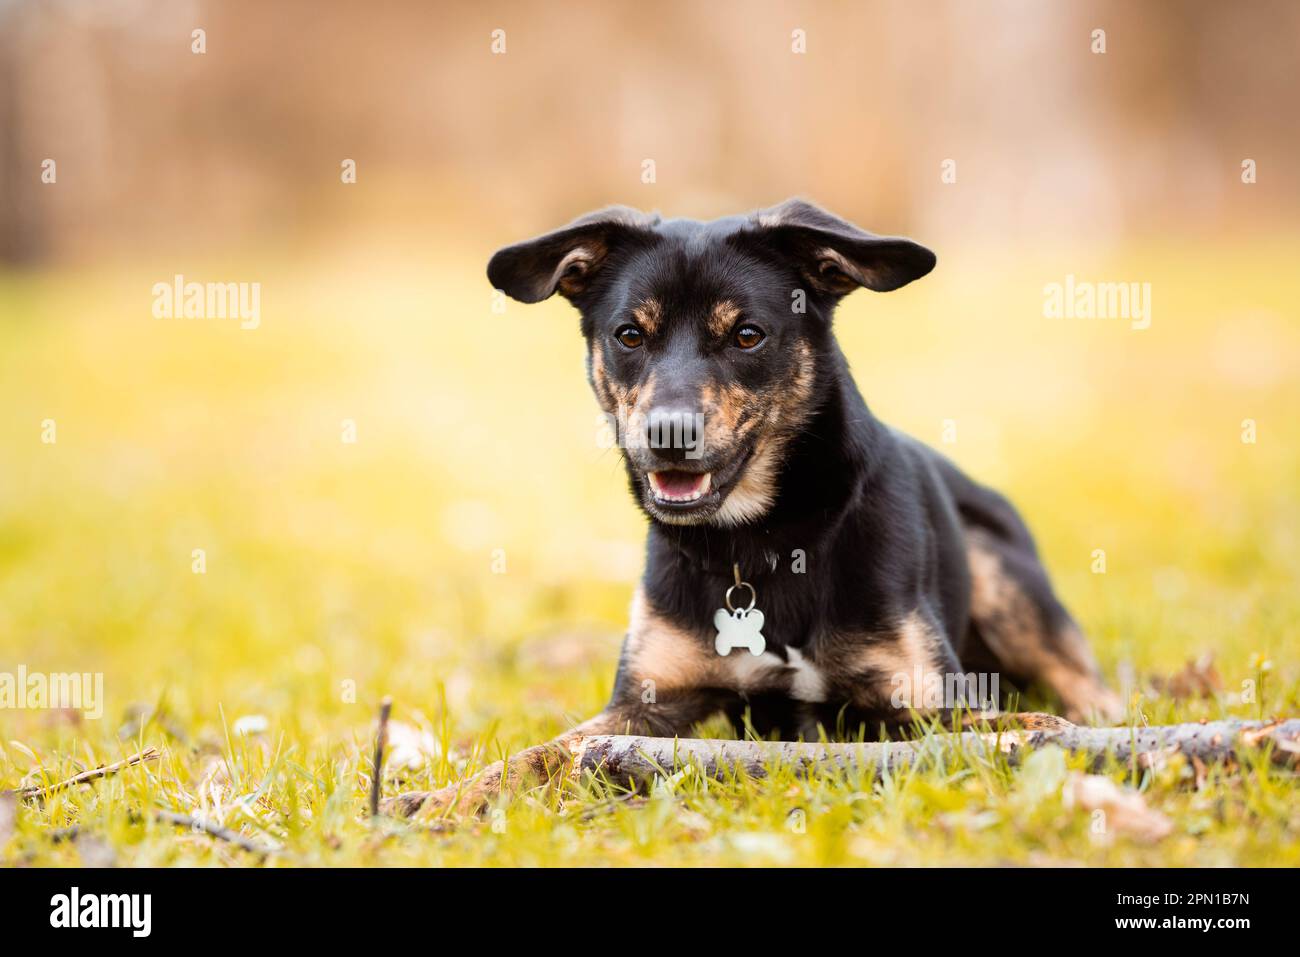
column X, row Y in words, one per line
column 675, row 434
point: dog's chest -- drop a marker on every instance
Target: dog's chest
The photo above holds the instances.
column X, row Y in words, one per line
column 666, row 655
column 796, row 675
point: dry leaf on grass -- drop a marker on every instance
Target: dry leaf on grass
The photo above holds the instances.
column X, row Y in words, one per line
column 409, row 748
column 1198, row 679
column 250, row 724
column 1123, row 810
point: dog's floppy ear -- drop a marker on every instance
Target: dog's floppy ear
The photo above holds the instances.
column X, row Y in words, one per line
column 835, row 256
column 567, row 259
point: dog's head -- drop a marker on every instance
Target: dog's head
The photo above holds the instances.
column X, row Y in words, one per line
column 706, row 341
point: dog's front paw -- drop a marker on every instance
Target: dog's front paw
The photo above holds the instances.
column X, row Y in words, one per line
column 1015, row 720
column 455, row 799
column 405, row 805
column 1101, row 707
column 1037, row 721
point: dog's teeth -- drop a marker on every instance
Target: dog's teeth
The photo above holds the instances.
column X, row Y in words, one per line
column 702, row 484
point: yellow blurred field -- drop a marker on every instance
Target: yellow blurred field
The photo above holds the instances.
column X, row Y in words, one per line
column 333, row 566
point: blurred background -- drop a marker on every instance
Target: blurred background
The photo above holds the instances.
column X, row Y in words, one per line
column 162, row 148
column 475, row 547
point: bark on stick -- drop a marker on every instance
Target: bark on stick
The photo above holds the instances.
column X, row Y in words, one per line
column 637, row 759
column 94, row 774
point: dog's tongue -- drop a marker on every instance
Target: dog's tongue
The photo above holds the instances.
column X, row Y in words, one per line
column 674, row 484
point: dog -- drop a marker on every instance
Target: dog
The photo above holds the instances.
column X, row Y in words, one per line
column 807, row 566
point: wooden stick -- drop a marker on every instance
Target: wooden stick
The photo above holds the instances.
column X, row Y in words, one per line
column 638, row 759
column 62, row 834
column 217, row 831
column 42, row 790
column 381, row 737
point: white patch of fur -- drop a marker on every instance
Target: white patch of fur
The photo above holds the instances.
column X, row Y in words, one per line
column 756, row 672
column 809, row 684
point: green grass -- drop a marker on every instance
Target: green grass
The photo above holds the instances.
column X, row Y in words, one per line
column 369, row 566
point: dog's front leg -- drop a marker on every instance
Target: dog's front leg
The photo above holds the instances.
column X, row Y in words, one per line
column 544, row 762
column 532, row 765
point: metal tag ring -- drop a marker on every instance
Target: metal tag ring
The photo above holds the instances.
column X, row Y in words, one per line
column 753, row 596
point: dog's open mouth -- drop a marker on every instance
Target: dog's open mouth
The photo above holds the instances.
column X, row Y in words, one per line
column 674, row 487
column 681, row 496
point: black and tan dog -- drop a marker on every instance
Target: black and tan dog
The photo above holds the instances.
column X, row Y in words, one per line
column 872, row 559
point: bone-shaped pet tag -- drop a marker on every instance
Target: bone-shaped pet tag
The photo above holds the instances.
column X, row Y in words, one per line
column 739, row 629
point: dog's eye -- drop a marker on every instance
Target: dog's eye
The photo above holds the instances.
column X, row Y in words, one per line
column 747, row 337
column 629, row 336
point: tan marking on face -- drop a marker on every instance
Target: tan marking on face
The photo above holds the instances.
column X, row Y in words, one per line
column 649, row 316
column 792, row 408
column 728, row 414
column 599, row 380
column 756, row 489
column 640, row 397
column 628, row 403
column 751, row 496
column 733, row 403
column 708, row 398
column 722, row 317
